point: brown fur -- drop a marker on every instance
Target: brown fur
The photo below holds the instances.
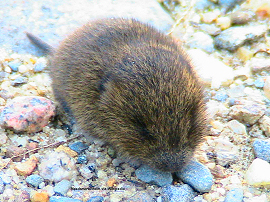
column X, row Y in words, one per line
column 133, row 87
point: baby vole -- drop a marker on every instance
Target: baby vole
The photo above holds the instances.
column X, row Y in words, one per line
column 133, row 87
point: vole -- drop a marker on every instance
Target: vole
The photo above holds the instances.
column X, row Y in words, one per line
column 133, row 87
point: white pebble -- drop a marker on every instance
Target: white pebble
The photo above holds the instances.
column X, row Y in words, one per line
column 258, row 173
column 8, row 69
column 224, row 22
column 217, row 125
column 22, row 69
column 211, row 70
column 262, row 198
column 237, row 127
column 101, row 174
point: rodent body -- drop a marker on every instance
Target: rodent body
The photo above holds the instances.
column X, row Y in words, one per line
column 132, row 87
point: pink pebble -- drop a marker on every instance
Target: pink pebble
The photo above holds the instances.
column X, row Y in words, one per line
column 27, row 114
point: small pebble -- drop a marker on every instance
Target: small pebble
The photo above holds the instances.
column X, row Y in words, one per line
column 258, row 173
column 237, row 127
column 7, row 69
column 218, row 171
column 262, row 149
column 217, row 125
column 5, row 178
column 27, row 167
column 202, row 41
column 19, row 81
column 24, row 196
column 256, row 131
column 96, row 199
column 6, row 94
column 62, row 187
column 27, row 114
column 227, row 5
column 86, row 172
column 31, row 145
column 210, row 29
column 78, row 147
column 242, row 16
column 57, row 166
column 149, row 175
column 259, row 83
column 13, row 150
column 234, row 37
column 226, row 152
column 175, row 193
column 259, row 64
column 209, row 17
column 262, row 7
column 223, row 22
column 235, row 195
column 40, row 65
column 141, row 196
column 82, row 159
column 264, row 123
column 221, row 96
column 40, row 197
column 63, row 199
column 111, row 182
column 14, row 65
column 266, row 87
column 2, row 186
column 22, row 69
column 248, row 113
column 67, row 150
column 34, row 180
column 197, row 176
column 244, row 54
column 3, row 75
column 211, row 70
column 111, row 152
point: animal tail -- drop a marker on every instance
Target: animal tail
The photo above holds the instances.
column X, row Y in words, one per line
column 40, row 44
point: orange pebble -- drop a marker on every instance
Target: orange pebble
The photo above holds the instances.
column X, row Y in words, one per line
column 111, row 182
column 40, row 197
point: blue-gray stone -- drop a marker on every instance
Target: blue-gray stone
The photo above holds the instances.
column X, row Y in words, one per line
column 6, row 179
column 234, row 195
column 234, row 37
column 63, row 199
column 203, row 41
column 34, row 180
column 3, row 75
column 262, row 149
column 82, row 159
column 228, row 4
column 150, row 175
column 2, row 186
column 95, row 199
column 62, row 187
column 39, row 67
column 259, row 83
column 78, row 147
column 183, row 193
column 221, row 96
column 14, row 65
column 19, row 81
column 197, row 176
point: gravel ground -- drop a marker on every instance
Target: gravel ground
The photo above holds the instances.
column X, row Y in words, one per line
column 228, row 43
